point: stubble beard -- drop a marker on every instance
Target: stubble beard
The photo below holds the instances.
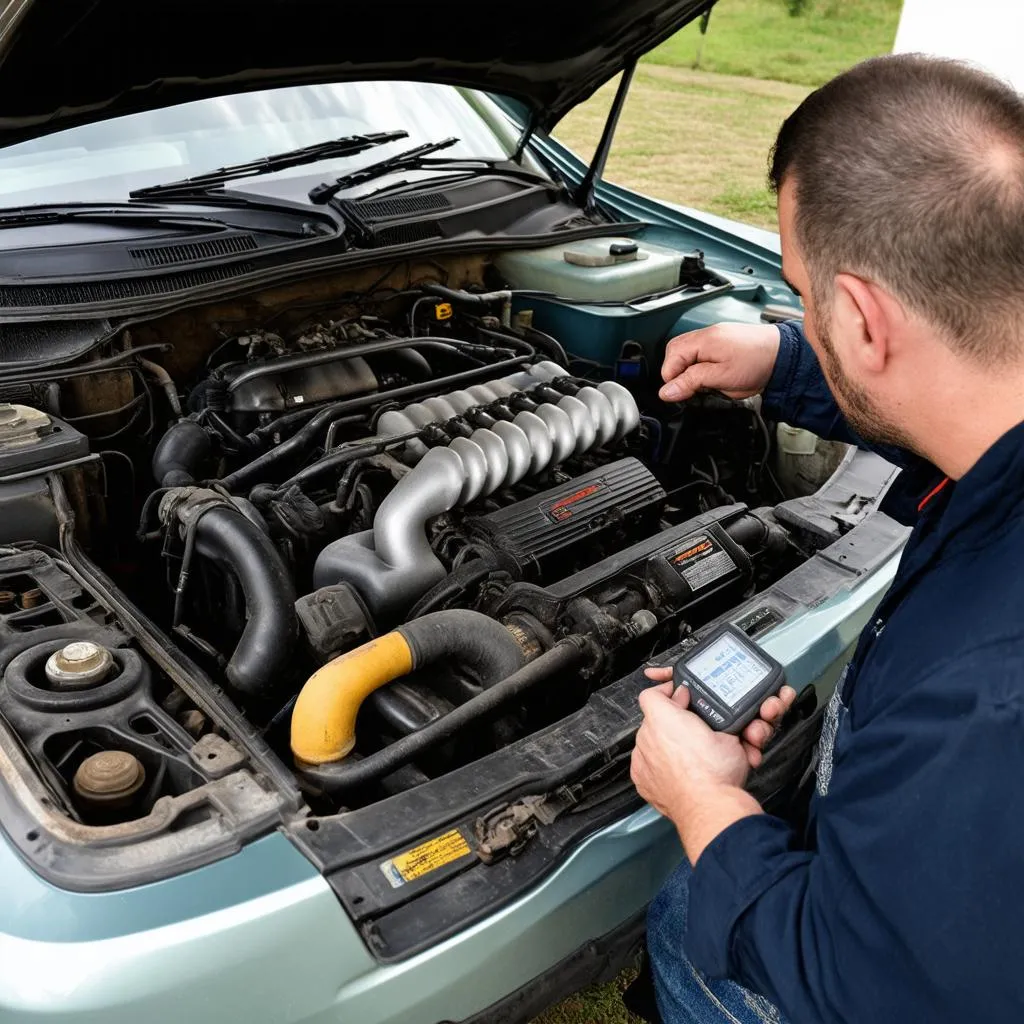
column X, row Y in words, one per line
column 855, row 403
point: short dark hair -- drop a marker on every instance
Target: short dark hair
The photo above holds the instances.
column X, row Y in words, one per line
column 909, row 170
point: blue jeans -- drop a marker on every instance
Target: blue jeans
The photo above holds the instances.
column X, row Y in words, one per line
column 684, row 995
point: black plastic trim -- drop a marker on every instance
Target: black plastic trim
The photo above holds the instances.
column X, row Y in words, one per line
column 594, row 963
column 299, row 266
column 246, row 803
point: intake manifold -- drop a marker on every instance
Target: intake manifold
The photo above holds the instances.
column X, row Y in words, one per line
column 393, row 564
column 440, row 408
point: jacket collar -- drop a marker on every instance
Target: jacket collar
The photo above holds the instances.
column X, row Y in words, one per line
column 986, row 495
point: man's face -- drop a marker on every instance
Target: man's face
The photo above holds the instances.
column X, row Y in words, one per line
column 820, row 313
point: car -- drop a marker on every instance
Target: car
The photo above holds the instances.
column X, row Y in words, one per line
column 339, row 515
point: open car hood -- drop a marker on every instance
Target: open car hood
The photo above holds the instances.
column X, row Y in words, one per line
column 67, row 62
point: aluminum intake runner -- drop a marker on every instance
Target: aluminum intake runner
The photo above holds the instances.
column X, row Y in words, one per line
column 393, row 564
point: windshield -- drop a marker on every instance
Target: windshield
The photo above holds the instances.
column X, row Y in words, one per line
column 104, row 161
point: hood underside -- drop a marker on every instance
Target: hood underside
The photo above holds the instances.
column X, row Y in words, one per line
column 68, row 62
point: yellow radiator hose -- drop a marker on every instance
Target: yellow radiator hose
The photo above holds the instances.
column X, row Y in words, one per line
column 324, row 718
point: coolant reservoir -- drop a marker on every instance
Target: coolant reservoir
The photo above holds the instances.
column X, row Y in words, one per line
column 594, row 269
column 804, row 460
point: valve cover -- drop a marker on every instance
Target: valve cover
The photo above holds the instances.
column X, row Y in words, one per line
column 609, row 503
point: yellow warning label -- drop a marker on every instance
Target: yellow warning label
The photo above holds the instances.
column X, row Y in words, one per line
column 444, row 311
column 426, row 857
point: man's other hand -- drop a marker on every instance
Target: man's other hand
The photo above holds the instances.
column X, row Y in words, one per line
column 692, row 774
column 735, row 359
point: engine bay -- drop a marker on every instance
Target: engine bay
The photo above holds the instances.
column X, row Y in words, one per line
column 340, row 539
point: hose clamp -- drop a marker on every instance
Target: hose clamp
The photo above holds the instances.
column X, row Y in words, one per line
column 188, row 505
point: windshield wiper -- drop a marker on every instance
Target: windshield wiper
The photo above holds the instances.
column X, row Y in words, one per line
column 288, row 223
column 347, row 145
column 411, row 159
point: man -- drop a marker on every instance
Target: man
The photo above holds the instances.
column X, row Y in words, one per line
column 901, row 214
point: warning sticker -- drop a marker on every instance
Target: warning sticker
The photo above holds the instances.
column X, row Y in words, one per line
column 429, row 856
column 568, row 506
column 701, row 561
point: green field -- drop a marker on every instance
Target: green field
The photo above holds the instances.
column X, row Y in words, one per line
column 693, row 137
column 700, row 136
column 760, row 39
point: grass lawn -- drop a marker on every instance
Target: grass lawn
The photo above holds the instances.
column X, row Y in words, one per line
column 760, row 39
column 600, row 1004
column 700, row 137
column 693, row 137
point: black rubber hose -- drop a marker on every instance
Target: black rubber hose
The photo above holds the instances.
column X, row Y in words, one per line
column 456, row 295
column 227, row 432
column 49, row 371
column 349, row 774
column 286, row 421
column 472, row 640
column 755, row 535
column 542, row 342
column 261, row 662
column 455, row 584
column 257, row 470
column 333, row 461
column 549, row 346
column 318, row 358
column 412, row 363
column 179, row 453
column 749, row 532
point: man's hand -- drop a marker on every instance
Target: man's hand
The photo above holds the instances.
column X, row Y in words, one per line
column 735, row 359
column 692, row 774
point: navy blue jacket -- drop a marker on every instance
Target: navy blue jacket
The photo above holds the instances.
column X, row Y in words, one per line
column 904, row 901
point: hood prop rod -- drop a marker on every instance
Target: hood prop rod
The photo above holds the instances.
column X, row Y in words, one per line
column 528, row 132
column 588, row 186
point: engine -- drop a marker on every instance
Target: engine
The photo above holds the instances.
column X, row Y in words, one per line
column 403, row 530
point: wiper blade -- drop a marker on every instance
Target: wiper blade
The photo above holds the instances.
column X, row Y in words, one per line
column 347, row 145
column 145, row 215
column 409, row 160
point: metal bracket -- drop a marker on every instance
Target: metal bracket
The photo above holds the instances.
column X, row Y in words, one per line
column 508, row 829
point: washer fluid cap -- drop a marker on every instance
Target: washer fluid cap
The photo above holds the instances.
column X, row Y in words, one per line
column 110, row 777
column 604, row 252
column 78, row 665
column 21, row 425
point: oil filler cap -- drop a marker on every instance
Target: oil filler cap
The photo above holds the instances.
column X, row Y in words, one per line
column 78, row 665
column 109, row 778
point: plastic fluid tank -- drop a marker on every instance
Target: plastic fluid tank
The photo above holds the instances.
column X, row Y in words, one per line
column 804, row 460
column 594, row 269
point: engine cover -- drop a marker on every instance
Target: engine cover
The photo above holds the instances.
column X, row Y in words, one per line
column 544, row 533
column 278, row 385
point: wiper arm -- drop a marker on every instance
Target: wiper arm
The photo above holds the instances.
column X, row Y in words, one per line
column 409, row 160
column 145, row 216
column 347, row 145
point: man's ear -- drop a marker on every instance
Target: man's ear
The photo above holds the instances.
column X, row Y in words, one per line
column 864, row 318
